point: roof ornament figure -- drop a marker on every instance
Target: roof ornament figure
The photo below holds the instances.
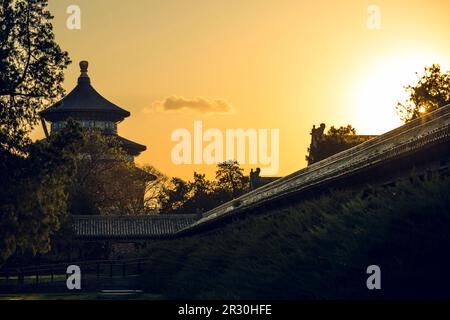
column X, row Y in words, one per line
column 316, row 134
column 254, row 178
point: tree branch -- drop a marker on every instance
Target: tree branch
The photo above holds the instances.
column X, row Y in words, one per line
column 27, row 65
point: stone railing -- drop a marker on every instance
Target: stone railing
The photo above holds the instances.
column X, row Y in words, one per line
column 409, row 138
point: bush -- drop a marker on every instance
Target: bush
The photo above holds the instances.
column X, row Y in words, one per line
column 318, row 249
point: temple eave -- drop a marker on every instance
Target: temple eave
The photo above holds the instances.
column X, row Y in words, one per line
column 87, row 113
column 131, row 146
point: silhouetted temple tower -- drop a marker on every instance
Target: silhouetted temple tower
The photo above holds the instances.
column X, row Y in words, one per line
column 91, row 110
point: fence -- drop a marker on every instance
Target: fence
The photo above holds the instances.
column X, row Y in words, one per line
column 96, row 274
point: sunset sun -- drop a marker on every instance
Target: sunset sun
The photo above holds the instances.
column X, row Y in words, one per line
column 377, row 92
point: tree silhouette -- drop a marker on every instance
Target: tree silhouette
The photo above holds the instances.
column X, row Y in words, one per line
column 202, row 191
column 33, row 177
column 153, row 188
column 107, row 181
column 173, row 198
column 31, row 68
column 231, row 180
column 431, row 92
column 33, row 196
column 201, row 194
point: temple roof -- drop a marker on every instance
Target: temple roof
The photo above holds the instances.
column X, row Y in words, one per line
column 84, row 102
column 130, row 227
column 132, row 147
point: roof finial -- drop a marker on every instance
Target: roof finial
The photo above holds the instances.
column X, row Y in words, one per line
column 83, row 69
column 84, row 65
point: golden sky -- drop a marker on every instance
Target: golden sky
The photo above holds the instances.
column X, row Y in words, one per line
column 279, row 64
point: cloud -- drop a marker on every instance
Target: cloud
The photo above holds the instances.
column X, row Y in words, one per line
column 198, row 105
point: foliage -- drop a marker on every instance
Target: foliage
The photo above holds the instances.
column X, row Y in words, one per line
column 318, row 248
column 31, row 69
column 202, row 190
column 334, row 141
column 33, row 197
column 201, row 194
column 107, row 181
column 33, row 177
column 153, row 188
column 230, row 179
column 431, row 92
column 173, row 198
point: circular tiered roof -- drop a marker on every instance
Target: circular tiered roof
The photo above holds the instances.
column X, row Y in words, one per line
column 84, row 103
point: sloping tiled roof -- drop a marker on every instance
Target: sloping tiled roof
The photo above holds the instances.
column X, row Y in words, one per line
column 261, row 181
column 130, row 227
column 409, row 140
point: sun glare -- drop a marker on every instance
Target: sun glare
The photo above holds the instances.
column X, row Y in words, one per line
column 376, row 95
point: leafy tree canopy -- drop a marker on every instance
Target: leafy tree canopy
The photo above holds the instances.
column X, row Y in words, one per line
column 33, row 192
column 231, row 180
column 31, row 68
column 201, row 194
column 107, row 180
column 431, row 92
